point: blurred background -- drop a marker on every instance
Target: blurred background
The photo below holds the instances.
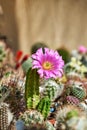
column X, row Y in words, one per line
column 55, row 22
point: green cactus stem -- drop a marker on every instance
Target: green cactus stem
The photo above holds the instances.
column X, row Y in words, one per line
column 32, row 88
column 44, row 106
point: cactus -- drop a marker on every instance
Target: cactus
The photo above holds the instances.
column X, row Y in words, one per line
column 52, row 89
column 78, row 92
column 72, row 113
column 5, row 116
column 65, row 114
column 36, row 46
column 44, row 106
column 32, row 88
column 31, row 117
column 72, row 100
column 65, row 54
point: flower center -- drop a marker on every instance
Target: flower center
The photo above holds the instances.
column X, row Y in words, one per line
column 47, row 65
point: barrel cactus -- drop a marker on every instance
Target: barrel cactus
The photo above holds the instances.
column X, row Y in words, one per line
column 78, row 92
column 5, row 116
column 72, row 100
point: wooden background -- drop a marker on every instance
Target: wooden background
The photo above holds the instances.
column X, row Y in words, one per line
column 55, row 22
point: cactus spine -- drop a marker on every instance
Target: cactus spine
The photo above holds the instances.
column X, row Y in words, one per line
column 32, row 88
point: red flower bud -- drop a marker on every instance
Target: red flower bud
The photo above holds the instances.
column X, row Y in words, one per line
column 18, row 55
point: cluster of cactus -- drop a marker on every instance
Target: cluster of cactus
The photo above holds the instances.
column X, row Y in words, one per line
column 34, row 120
column 32, row 96
column 51, row 90
column 32, row 88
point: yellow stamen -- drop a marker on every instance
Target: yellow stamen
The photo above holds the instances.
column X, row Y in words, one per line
column 47, row 65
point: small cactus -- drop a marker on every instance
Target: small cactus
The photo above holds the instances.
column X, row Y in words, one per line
column 72, row 113
column 44, row 106
column 5, row 116
column 64, row 53
column 52, row 89
column 78, row 92
column 31, row 117
column 72, row 100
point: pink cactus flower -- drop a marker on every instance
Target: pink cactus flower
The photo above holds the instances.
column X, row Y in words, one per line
column 48, row 63
column 82, row 49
